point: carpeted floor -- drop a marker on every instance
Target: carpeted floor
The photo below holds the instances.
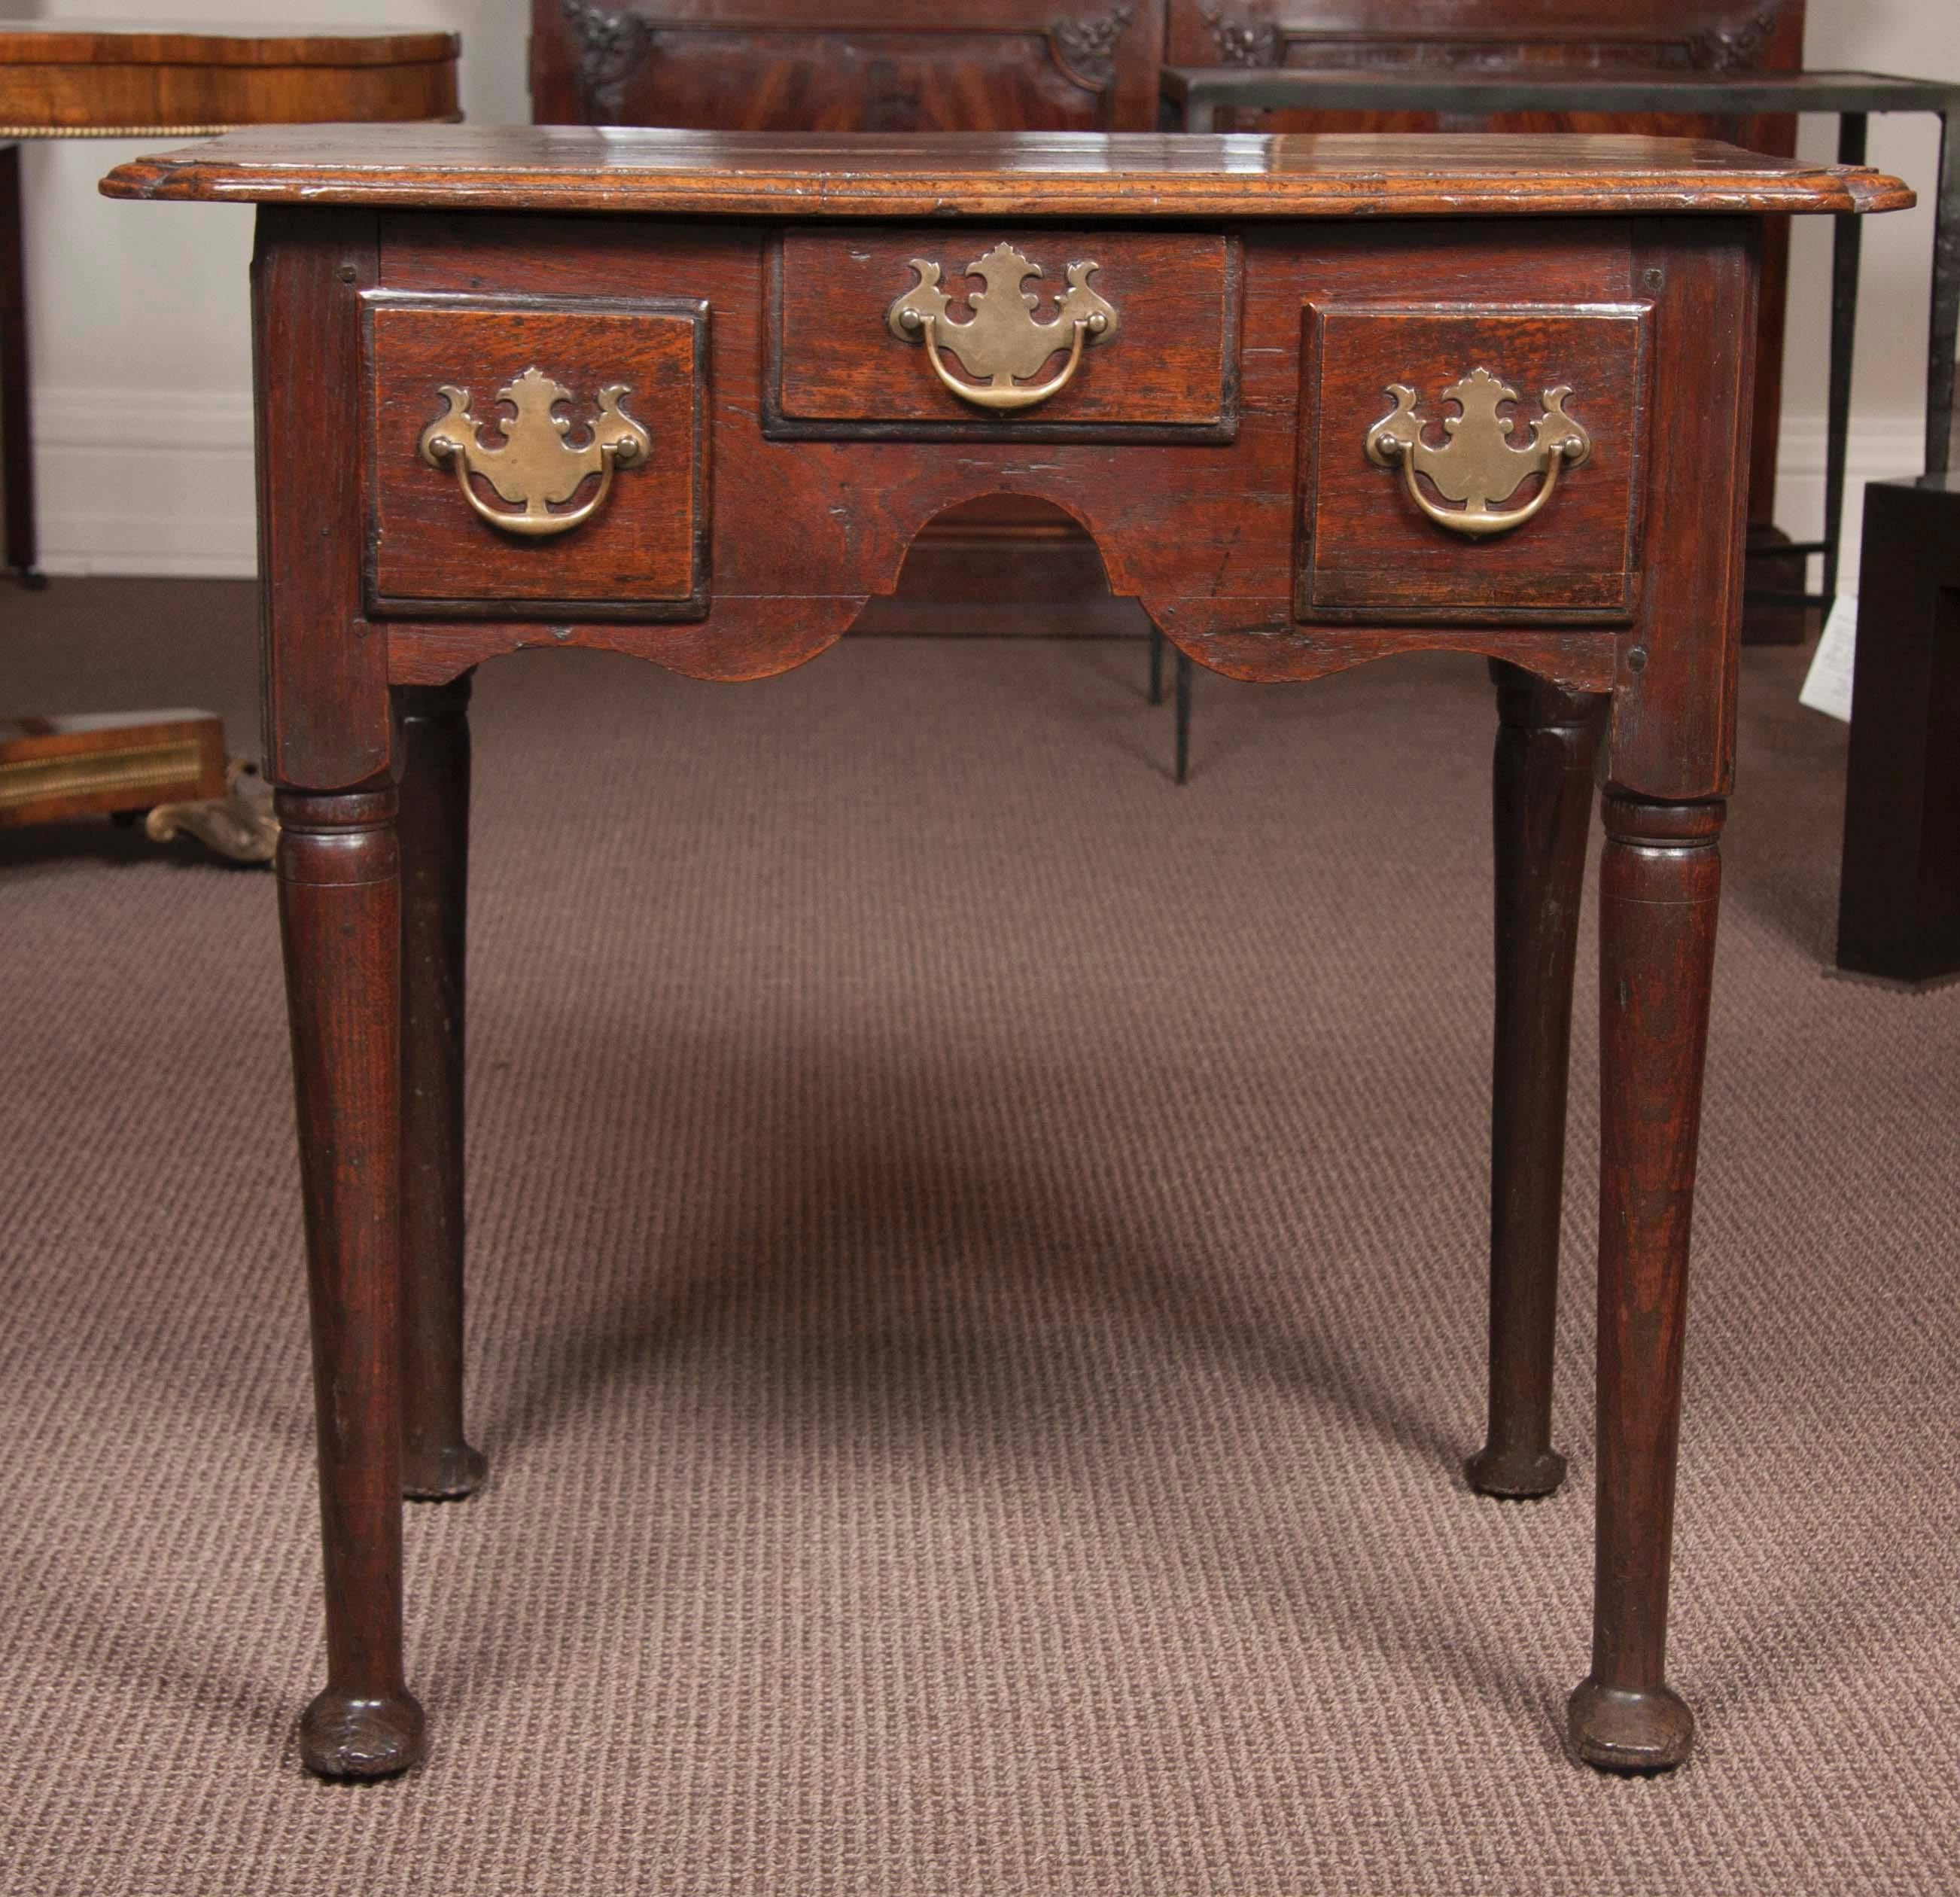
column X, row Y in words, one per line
column 977, row 1309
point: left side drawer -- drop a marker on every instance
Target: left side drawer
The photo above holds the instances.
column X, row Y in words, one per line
column 532, row 457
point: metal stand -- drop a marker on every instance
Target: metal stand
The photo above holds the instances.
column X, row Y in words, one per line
column 17, row 433
column 1182, row 711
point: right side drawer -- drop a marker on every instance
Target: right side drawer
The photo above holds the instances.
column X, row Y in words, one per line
column 1450, row 520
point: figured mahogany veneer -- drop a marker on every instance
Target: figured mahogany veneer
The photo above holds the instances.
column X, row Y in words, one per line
column 80, row 76
column 863, row 65
column 1270, row 292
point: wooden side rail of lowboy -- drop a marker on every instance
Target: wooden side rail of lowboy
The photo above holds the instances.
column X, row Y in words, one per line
column 691, row 398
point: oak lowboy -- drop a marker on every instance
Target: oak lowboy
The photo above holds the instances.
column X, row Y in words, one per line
column 691, row 397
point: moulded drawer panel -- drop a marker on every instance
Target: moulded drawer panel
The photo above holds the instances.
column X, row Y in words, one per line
column 1169, row 365
column 642, row 553
column 1365, row 546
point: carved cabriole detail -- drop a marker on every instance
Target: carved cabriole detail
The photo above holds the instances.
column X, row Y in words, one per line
column 240, row 825
column 1086, row 50
column 1243, row 42
column 610, row 47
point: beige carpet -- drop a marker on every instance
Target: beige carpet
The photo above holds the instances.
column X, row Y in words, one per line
column 977, row 1308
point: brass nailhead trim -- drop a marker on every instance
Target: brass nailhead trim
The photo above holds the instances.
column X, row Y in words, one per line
column 152, row 767
column 113, row 131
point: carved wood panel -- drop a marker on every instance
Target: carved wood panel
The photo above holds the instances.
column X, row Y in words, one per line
column 873, row 65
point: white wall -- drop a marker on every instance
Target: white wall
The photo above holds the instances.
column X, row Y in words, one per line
column 141, row 360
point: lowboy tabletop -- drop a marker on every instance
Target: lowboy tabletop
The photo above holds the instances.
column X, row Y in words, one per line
column 1318, row 400
column 630, row 170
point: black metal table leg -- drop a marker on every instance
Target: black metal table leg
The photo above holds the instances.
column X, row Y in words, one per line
column 1183, row 716
column 16, row 435
column 1157, row 666
column 1846, row 239
column 1945, row 319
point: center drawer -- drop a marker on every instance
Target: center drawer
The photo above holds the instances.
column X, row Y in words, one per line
column 1021, row 333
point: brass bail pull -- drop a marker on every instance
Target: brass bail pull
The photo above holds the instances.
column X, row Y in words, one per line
column 536, row 469
column 1478, row 465
column 1003, row 342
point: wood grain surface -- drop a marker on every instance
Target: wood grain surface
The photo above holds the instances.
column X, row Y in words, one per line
column 646, row 544
column 1410, row 66
column 1366, row 545
column 432, row 830
column 53, row 770
column 1050, row 174
column 339, row 881
column 328, row 723
column 1169, row 362
column 1660, row 884
column 108, row 43
column 883, row 65
column 77, row 78
column 1205, row 535
column 1541, row 818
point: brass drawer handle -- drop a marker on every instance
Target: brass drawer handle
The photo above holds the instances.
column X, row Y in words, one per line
column 536, row 466
column 1478, row 464
column 1002, row 340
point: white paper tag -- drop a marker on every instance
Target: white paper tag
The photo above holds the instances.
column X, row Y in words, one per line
column 1826, row 687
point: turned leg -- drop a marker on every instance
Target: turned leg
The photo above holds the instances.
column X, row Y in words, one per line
column 17, row 433
column 434, row 722
column 1541, row 799
column 1659, row 886
column 340, row 916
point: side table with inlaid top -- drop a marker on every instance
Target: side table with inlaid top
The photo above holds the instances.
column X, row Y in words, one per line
column 690, row 397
